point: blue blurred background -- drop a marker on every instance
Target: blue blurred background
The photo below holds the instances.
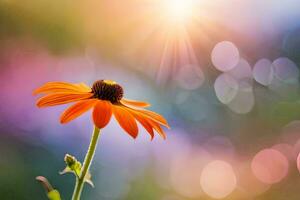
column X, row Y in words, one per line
column 224, row 73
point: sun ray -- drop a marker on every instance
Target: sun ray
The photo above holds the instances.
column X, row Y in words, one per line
column 165, row 40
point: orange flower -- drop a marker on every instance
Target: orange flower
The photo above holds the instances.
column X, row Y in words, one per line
column 106, row 98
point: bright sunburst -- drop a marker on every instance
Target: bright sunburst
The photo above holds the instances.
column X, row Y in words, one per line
column 178, row 11
column 165, row 35
column 177, row 17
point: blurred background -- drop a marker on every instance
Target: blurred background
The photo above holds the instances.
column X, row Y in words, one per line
column 224, row 73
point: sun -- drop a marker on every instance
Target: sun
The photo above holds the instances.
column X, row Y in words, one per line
column 178, row 11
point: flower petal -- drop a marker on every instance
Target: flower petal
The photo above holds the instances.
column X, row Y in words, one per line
column 144, row 122
column 154, row 116
column 102, row 113
column 126, row 120
column 158, row 128
column 148, row 123
column 134, row 103
column 61, row 98
column 77, row 109
column 84, row 87
column 52, row 87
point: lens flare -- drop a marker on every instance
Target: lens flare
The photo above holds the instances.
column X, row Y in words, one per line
column 270, row 166
column 263, row 72
column 186, row 170
column 218, row 179
column 225, row 56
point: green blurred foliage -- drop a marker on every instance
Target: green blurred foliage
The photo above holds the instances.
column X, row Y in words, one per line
column 52, row 23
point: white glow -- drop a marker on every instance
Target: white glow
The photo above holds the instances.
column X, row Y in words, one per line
column 178, row 11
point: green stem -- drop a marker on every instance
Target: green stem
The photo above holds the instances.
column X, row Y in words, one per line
column 86, row 164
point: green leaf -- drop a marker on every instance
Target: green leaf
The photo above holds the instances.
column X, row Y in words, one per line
column 88, row 180
column 54, row 195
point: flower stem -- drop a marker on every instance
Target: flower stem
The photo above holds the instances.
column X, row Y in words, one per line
column 86, row 164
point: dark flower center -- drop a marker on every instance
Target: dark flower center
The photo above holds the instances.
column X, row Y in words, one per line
column 107, row 90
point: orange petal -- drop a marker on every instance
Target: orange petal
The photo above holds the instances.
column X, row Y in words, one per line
column 61, row 98
column 102, row 113
column 52, row 87
column 144, row 122
column 154, row 116
column 84, row 87
column 128, row 102
column 77, row 109
column 158, row 128
column 126, row 120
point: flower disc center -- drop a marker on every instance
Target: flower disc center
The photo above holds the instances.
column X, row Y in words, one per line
column 107, row 90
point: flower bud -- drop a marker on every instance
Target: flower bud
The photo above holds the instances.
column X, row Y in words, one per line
column 70, row 160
